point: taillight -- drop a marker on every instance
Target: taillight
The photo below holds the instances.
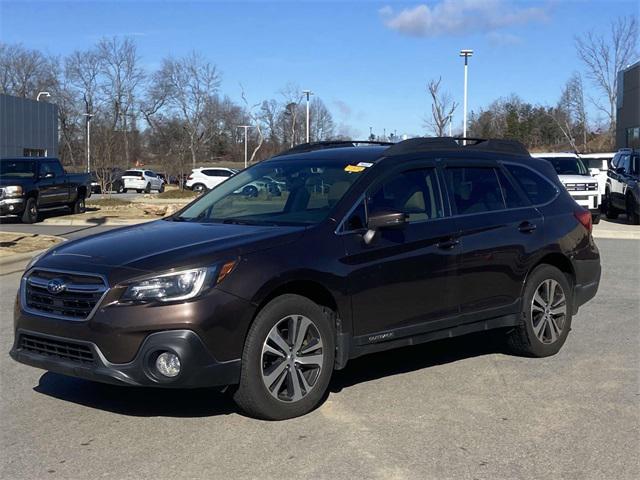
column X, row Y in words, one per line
column 190, row 177
column 584, row 217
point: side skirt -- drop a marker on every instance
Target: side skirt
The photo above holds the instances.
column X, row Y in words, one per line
column 402, row 337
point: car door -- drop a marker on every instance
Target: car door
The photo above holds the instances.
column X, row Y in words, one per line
column 500, row 231
column 52, row 184
column 404, row 280
column 617, row 175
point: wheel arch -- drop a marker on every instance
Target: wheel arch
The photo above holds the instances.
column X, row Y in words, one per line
column 558, row 260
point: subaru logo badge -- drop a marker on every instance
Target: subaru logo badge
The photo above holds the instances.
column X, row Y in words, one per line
column 56, row 286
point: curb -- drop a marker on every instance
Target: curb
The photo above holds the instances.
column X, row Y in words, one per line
column 616, row 235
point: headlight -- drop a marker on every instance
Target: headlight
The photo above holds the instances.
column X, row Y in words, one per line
column 13, row 192
column 176, row 286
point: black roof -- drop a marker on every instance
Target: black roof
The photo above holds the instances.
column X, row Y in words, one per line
column 374, row 150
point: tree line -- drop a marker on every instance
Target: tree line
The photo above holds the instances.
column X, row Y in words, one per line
column 175, row 118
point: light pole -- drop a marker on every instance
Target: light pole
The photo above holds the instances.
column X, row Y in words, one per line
column 307, row 93
column 46, row 94
column 466, row 54
column 89, row 116
column 246, row 128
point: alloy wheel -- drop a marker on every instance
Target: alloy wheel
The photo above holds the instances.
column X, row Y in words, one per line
column 292, row 358
column 548, row 311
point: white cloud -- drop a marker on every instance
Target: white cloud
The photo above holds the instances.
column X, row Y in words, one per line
column 503, row 39
column 455, row 17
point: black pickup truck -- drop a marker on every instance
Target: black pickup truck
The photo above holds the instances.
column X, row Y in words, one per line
column 29, row 185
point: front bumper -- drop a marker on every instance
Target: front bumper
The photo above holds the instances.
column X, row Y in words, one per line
column 11, row 206
column 198, row 367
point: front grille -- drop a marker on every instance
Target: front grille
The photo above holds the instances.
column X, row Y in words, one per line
column 77, row 297
column 61, row 349
column 581, row 187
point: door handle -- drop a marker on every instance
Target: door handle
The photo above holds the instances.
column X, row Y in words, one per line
column 527, row 227
column 447, row 244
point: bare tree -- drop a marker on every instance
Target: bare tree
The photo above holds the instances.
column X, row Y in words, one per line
column 604, row 56
column 26, row 72
column 188, row 85
column 442, row 108
column 321, row 122
column 292, row 96
column 256, row 120
column 573, row 107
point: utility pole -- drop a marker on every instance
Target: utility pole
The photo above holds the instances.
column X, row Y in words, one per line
column 466, row 54
column 89, row 116
column 246, row 152
column 307, row 93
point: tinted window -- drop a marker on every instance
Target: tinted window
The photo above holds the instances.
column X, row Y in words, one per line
column 568, row 166
column 510, row 193
column 356, row 219
column 475, row 189
column 538, row 189
column 415, row 193
column 149, row 174
column 51, row 167
column 17, row 169
column 132, row 173
column 635, row 165
column 623, row 163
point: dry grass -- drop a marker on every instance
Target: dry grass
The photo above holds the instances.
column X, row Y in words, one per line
column 176, row 193
column 12, row 243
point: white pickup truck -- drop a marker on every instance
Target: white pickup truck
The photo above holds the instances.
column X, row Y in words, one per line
column 577, row 179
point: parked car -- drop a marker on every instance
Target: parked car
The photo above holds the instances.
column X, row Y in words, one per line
column 202, row 179
column 598, row 164
column 418, row 241
column 268, row 185
column 577, row 180
column 30, row 185
column 622, row 191
column 110, row 178
column 142, row 181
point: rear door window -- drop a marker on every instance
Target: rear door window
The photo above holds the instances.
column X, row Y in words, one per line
column 538, row 189
column 474, row 189
column 512, row 198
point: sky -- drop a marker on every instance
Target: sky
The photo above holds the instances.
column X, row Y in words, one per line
column 369, row 61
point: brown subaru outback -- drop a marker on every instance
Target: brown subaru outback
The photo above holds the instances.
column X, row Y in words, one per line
column 344, row 250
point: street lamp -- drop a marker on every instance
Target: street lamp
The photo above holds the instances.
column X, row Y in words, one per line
column 89, row 116
column 466, row 54
column 46, row 94
column 307, row 93
column 246, row 127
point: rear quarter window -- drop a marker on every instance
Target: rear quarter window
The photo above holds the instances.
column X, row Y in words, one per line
column 536, row 187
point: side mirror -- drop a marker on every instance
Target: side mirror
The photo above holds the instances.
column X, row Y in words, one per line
column 49, row 175
column 620, row 170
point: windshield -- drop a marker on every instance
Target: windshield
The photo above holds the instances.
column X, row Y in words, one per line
column 17, row 169
column 568, row 166
column 276, row 193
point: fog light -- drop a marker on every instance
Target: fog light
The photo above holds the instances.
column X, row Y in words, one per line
column 168, row 364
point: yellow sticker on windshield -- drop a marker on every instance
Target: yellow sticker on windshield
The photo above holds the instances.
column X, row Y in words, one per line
column 353, row 168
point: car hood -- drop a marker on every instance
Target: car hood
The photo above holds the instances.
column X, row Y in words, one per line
column 577, row 179
column 164, row 245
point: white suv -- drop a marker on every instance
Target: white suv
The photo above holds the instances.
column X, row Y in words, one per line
column 577, row 180
column 598, row 164
column 206, row 178
column 142, row 181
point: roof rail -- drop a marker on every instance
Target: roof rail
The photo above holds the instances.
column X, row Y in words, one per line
column 425, row 144
column 310, row 147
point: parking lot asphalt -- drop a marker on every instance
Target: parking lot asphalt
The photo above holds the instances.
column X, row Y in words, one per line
column 455, row 409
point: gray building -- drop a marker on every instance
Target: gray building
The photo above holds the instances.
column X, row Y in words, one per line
column 28, row 128
column 628, row 112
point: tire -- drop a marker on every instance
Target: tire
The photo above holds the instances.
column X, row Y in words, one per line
column 595, row 218
column 124, row 190
column 30, row 213
column 147, row 188
column 633, row 213
column 607, row 208
column 138, row 191
column 78, row 206
column 250, row 191
column 121, row 189
column 161, row 189
column 279, row 402
column 535, row 336
column 199, row 188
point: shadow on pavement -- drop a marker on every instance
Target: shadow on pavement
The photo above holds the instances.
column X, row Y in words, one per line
column 153, row 402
